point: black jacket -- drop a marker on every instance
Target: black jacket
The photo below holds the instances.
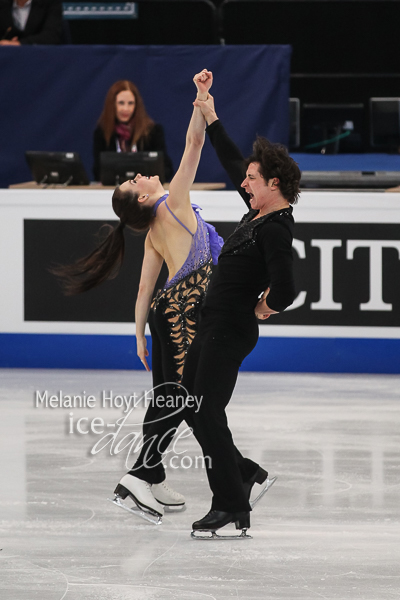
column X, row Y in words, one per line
column 258, row 254
column 44, row 24
column 155, row 141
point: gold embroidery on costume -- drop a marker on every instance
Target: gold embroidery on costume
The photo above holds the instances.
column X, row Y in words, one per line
column 179, row 304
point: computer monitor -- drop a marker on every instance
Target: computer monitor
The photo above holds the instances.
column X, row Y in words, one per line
column 117, row 167
column 385, row 124
column 57, row 167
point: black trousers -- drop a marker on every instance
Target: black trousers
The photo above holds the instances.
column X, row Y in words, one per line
column 210, row 374
column 173, row 321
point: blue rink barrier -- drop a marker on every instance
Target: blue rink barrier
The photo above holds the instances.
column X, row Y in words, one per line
column 347, row 162
column 297, row 355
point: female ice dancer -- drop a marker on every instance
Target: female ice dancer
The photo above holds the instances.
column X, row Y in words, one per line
column 256, row 258
column 177, row 235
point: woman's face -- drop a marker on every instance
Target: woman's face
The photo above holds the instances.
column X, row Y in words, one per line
column 125, row 104
column 143, row 186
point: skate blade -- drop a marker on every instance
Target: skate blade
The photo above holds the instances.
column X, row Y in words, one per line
column 138, row 512
column 269, row 483
column 215, row 536
column 174, row 508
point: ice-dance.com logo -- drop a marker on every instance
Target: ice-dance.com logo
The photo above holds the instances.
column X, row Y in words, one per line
column 162, row 443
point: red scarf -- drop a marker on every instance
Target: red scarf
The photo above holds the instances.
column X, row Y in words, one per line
column 124, row 133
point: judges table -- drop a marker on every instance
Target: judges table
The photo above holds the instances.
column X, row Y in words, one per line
column 345, row 318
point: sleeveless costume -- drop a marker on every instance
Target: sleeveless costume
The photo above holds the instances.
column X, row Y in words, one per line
column 174, row 312
column 175, row 308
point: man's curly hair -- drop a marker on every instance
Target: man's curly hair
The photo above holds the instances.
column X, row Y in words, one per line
column 274, row 161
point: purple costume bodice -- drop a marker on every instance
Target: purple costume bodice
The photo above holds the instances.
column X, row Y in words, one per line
column 206, row 244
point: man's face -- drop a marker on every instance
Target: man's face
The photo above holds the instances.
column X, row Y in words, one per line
column 255, row 185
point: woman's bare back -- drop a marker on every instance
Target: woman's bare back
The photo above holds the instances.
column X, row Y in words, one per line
column 171, row 240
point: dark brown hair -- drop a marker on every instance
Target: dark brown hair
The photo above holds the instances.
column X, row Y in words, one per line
column 105, row 261
column 141, row 123
column 274, row 161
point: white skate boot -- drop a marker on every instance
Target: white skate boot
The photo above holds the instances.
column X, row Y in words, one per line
column 169, row 498
column 139, row 491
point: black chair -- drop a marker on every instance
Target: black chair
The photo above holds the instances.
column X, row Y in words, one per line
column 384, row 116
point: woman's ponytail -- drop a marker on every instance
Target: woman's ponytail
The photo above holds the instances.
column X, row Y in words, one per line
column 90, row 271
column 105, row 261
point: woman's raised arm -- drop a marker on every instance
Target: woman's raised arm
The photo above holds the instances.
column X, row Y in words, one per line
column 180, row 185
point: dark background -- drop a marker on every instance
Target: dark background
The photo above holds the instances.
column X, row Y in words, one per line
column 59, row 242
column 50, row 242
column 344, row 51
column 53, row 96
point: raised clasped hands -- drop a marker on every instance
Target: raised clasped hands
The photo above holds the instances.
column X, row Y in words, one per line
column 207, row 108
column 262, row 309
column 203, row 82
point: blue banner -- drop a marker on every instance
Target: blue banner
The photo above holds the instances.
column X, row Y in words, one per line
column 51, row 97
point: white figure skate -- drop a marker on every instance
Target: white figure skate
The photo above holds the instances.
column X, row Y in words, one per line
column 171, row 500
column 145, row 505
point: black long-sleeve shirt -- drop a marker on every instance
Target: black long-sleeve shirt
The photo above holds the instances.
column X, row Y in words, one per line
column 44, row 24
column 258, row 254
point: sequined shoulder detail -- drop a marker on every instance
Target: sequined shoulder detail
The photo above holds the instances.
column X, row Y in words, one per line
column 243, row 236
column 199, row 254
column 206, row 245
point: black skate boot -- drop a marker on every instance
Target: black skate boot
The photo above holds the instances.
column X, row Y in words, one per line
column 260, row 477
column 216, row 519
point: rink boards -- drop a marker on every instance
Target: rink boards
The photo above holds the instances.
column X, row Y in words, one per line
column 346, row 316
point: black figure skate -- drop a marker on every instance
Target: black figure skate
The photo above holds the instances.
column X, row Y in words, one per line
column 260, row 477
column 216, row 519
column 145, row 505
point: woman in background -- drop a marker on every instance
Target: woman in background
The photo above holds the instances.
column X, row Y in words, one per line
column 125, row 126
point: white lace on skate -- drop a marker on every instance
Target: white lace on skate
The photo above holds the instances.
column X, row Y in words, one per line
column 141, row 493
column 164, row 494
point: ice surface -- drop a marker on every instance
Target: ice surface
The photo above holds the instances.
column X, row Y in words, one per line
column 328, row 529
